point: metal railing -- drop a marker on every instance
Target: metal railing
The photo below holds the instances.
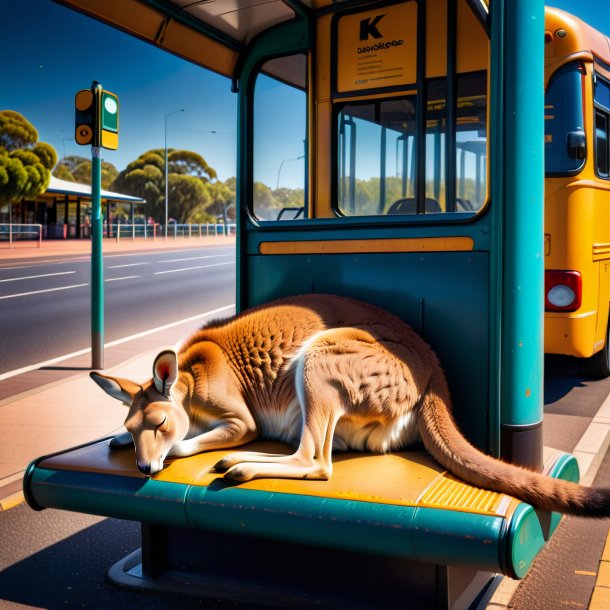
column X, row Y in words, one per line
column 12, row 232
column 174, row 231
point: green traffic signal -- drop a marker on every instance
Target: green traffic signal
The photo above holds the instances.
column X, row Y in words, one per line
column 109, row 123
column 110, row 111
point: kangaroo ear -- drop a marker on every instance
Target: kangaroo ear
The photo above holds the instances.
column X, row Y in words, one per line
column 121, row 389
column 165, row 371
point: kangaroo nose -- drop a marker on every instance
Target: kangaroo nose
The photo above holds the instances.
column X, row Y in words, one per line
column 145, row 469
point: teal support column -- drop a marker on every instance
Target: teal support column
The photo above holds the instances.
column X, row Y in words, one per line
column 517, row 113
column 97, row 262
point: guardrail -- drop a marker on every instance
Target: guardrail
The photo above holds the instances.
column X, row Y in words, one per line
column 12, row 232
column 174, row 231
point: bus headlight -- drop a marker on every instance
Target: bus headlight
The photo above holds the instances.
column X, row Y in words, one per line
column 563, row 290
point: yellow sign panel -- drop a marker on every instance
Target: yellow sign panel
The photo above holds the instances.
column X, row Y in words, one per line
column 377, row 48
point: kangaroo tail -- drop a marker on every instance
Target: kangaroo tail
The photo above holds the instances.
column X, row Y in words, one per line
column 445, row 442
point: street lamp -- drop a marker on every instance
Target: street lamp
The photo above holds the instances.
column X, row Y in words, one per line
column 277, row 185
column 166, row 189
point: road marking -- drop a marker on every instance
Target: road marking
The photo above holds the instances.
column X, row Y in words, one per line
column 191, row 268
column 118, row 279
column 11, row 501
column 32, row 277
column 86, row 258
column 25, row 294
column 128, row 265
column 584, row 573
column 33, row 367
column 194, row 258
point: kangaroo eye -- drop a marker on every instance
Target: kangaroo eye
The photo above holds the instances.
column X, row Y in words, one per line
column 156, row 419
column 164, row 425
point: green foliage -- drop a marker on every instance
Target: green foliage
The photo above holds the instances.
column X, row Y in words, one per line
column 25, row 163
column 190, row 163
column 16, row 131
column 78, row 169
column 62, row 172
column 189, row 184
column 222, row 199
column 189, row 193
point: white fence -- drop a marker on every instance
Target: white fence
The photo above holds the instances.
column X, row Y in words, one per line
column 174, row 231
column 16, row 232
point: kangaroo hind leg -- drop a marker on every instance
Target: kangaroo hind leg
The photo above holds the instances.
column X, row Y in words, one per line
column 321, row 404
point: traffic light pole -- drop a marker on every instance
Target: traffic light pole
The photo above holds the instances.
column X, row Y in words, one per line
column 97, row 262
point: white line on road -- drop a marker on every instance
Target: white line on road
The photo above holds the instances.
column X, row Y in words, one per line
column 25, row 294
column 118, row 279
column 128, row 265
column 33, row 367
column 194, row 258
column 32, row 277
column 191, row 268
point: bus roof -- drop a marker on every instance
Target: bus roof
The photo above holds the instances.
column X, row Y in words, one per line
column 579, row 40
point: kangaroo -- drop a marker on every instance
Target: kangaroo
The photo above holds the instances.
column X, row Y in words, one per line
column 319, row 372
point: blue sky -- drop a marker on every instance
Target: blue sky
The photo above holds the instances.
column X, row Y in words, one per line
column 49, row 52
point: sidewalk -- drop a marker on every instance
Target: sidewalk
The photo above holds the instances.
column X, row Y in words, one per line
column 82, row 247
column 56, row 407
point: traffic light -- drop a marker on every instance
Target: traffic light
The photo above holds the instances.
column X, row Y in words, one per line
column 97, row 118
column 85, row 119
column 109, row 127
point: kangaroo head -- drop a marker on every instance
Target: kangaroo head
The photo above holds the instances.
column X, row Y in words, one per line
column 155, row 420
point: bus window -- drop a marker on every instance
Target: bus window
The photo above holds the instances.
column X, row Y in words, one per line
column 375, row 155
column 471, row 143
column 280, row 141
column 602, row 128
column 564, row 122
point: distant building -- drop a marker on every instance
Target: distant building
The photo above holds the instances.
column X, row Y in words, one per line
column 64, row 209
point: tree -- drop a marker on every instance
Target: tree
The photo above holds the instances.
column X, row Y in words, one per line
column 187, row 194
column 188, row 178
column 222, row 200
column 78, row 169
column 25, row 163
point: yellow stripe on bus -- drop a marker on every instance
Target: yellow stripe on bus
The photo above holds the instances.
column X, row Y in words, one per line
column 356, row 246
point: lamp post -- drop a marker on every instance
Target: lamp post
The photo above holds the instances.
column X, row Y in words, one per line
column 166, row 185
column 277, row 185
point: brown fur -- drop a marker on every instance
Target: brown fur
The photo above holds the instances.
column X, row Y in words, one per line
column 318, row 371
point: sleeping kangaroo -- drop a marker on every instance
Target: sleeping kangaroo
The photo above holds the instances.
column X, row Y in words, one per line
column 319, row 372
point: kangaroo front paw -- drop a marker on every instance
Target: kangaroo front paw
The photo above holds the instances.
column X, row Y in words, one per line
column 121, row 441
column 241, row 472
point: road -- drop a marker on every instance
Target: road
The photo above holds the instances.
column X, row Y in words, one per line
column 45, row 306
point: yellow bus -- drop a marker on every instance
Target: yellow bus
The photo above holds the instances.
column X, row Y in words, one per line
column 577, row 191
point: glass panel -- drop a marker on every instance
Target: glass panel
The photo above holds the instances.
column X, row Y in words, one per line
column 602, row 93
column 375, row 153
column 280, row 140
column 601, row 144
column 436, row 128
column 563, row 118
column 471, row 143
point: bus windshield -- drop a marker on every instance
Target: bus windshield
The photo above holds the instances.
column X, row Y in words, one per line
column 564, row 122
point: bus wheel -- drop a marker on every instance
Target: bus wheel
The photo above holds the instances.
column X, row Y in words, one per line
column 598, row 365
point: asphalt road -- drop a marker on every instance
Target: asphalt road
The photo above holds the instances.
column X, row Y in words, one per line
column 45, row 307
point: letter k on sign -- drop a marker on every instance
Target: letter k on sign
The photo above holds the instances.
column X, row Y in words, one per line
column 368, row 27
